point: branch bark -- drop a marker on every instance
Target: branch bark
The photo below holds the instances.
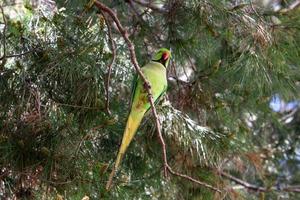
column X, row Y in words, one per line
column 114, row 52
column 133, row 59
column 294, row 5
column 16, row 55
column 256, row 188
column 4, row 37
column 243, row 183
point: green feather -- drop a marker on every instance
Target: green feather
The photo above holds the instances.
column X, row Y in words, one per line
column 156, row 74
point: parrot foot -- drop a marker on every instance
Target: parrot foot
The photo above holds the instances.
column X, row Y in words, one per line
column 147, row 85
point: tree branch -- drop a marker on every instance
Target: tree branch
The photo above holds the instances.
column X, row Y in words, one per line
column 16, row 55
column 4, row 36
column 243, row 183
column 259, row 188
column 125, row 35
column 114, row 52
column 294, row 5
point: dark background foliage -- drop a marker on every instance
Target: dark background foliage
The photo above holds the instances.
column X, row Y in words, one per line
column 230, row 117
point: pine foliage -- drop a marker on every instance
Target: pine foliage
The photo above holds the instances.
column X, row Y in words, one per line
column 230, row 58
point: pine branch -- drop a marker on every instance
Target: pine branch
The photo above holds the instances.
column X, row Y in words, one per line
column 291, row 7
column 4, row 36
column 256, row 188
column 147, row 86
column 187, row 134
column 114, row 52
column 243, row 183
column 294, row 5
column 16, row 55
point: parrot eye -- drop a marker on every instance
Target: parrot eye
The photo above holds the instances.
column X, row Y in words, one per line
column 165, row 56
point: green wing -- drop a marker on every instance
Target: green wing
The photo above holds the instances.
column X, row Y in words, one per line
column 133, row 87
column 158, row 98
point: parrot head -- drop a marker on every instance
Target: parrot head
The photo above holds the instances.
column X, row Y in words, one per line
column 162, row 56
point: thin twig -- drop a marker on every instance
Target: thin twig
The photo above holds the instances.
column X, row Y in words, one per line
column 291, row 114
column 125, row 35
column 56, row 183
column 77, row 106
column 291, row 188
column 4, row 34
column 192, row 179
column 253, row 187
column 243, row 183
column 147, row 86
column 294, row 5
column 114, row 52
column 17, row 55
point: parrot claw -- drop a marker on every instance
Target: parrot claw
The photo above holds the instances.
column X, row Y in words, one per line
column 147, row 85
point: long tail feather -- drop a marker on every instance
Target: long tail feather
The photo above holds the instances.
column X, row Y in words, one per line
column 132, row 125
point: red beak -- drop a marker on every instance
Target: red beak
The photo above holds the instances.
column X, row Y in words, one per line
column 165, row 56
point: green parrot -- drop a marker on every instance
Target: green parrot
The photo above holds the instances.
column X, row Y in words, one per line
column 156, row 73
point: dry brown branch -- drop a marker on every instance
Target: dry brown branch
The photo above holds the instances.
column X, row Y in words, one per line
column 192, row 179
column 256, row 188
column 4, row 36
column 16, row 55
column 243, row 183
column 114, row 52
column 294, row 5
column 77, row 106
column 124, row 34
